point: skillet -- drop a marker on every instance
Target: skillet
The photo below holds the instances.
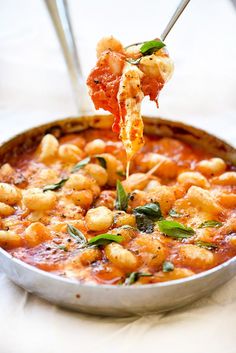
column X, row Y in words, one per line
column 115, row 300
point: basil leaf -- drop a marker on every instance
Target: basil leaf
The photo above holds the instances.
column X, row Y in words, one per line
column 211, row 224
column 175, row 214
column 144, row 224
column 206, row 245
column 55, row 186
column 102, row 161
column 175, row 229
column 122, row 197
column 80, row 165
column 167, row 266
column 76, row 234
column 134, row 276
column 104, row 239
column 151, row 210
column 151, row 47
column 146, row 216
column 134, row 61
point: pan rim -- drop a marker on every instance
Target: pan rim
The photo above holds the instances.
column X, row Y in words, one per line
column 116, row 286
column 91, row 116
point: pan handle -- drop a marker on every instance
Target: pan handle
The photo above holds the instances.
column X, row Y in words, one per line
column 59, row 13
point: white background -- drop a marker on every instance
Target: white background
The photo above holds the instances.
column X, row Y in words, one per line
column 34, row 87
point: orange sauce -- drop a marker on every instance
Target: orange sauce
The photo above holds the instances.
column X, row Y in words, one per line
column 51, row 255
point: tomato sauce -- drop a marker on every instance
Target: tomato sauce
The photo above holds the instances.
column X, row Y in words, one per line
column 104, row 83
column 60, row 253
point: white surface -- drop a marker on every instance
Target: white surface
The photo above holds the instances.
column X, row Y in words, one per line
column 34, row 88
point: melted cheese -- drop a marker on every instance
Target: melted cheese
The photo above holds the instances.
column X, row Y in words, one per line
column 118, row 86
column 129, row 99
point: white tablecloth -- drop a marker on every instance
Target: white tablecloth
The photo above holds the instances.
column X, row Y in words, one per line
column 34, row 88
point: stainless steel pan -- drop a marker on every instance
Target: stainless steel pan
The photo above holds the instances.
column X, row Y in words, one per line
column 109, row 299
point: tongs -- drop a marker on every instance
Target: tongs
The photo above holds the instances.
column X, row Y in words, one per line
column 59, row 13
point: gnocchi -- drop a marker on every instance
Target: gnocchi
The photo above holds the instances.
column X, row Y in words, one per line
column 78, row 182
column 228, row 178
column 188, row 179
column 99, row 218
column 211, row 167
column 113, row 167
column 9, row 194
column 203, row 200
column 168, row 169
column 6, row 210
column 152, row 251
column 37, row 200
column 121, row 257
column 96, row 146
column 88, row 256
column 10, row 239
column 199, row 257
column 48, row 148
column 98, row 173
column 35, row 234
column 72, row 218
column 70, row 153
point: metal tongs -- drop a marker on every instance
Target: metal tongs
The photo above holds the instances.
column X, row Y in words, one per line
column 59, row 13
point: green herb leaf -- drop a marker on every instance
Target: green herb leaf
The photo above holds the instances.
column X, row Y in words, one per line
column 206, row 245
column 211, row 224
column 146, row 216
column 55, row 186
column 134, row 276
column 102, row 161
column 167, row 266
column 121, row 197
column 80, row 165
column 144, row 224
column 151, row 210
column 134, row 61
column 175, row 229
column 175, row 214
column 151, row 47
column 104, row 239
column 76, row 234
